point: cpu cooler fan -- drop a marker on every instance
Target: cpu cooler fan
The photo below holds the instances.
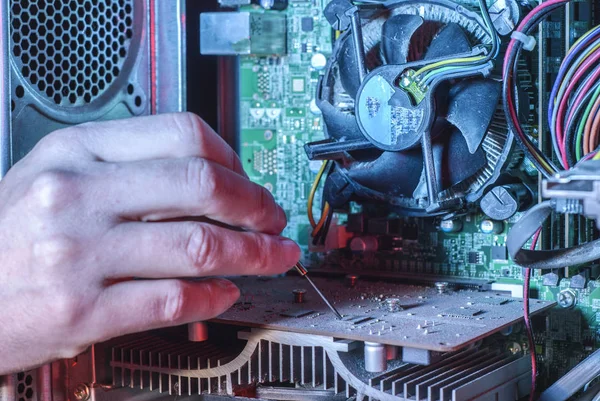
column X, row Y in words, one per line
column 422, row 149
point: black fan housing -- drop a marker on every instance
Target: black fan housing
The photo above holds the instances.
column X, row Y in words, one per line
column 377, row 132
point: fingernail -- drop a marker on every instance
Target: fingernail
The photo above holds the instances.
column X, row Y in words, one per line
column 227, row 285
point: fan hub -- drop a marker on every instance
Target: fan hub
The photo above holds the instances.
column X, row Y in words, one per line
column 388, row 117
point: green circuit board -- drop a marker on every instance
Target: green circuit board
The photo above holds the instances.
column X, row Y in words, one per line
column 279, row 116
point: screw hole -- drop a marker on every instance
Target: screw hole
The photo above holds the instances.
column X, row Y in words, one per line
column 130, row 89
column 138, row 101
column 20, row 91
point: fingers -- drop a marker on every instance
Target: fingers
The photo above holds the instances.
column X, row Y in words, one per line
column 191, row 249
column 171, row 188
column 156, row 137
column 139, row 305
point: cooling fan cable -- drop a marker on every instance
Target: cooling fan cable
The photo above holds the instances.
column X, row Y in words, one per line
column 321, row 227
column 453, row 64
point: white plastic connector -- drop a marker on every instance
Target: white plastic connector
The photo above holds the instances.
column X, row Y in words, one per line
column 528, row 41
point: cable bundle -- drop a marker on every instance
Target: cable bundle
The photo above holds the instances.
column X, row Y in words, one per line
column 574, row 110
column 321, row 227
column 509, row 86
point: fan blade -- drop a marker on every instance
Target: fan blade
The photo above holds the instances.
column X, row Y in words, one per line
column 397, row 32
column 457, row 162
column 349, row 75
column 340, row 125
column 453, row 161
column 449, row 41
column 471, row 107
column 393, row 173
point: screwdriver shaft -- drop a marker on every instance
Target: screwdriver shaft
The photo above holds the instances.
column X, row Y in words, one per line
column 303, row 272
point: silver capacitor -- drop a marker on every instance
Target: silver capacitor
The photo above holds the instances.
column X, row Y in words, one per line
column 375, row 357
column 364, row 244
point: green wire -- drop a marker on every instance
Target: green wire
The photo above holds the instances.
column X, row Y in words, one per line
column 580, row 127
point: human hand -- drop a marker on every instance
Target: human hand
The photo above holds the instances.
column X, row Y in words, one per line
column 94, row 205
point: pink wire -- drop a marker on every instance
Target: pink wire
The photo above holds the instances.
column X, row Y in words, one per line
column 527, row 319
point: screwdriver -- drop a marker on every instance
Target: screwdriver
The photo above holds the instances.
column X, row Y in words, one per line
column 304, row 273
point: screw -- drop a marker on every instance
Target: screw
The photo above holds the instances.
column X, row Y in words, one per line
column 441, row 286
column 299, row 295
column 268, row 135
column 81, row 392
column 393, row 305
column 566, row 299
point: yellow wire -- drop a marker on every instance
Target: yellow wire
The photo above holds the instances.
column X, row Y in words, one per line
column 311, row 195
column 321, row 222
column 446, row 62
column 597, row 157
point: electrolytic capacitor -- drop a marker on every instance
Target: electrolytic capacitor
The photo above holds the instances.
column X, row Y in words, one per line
column 375, row 357
column 502, row 202
column 451, row 226
column 278, row 5
column 364, row 244
column 491, row 227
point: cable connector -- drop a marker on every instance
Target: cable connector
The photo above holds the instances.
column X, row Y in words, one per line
column 568, row 206
column 576, row 191
column 528, row 41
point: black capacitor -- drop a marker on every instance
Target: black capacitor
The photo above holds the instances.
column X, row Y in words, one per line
column 502, row 202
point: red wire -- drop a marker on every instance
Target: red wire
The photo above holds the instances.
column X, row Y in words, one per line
column 527, row 319
column 507, row 72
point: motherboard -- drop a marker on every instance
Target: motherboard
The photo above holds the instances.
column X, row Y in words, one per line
column 279, row 116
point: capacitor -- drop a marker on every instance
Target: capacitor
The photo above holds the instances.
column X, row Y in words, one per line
column 314, row 109
column 502, row 202
column 364, row 244
column 318, row 61
column 277, row 5
column 197, row 332
column 375, row 357
column 451, row 226
column 491, row 227
column 391, row 352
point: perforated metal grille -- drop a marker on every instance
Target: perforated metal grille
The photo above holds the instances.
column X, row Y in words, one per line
column 25, row 389
column 71, row 51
